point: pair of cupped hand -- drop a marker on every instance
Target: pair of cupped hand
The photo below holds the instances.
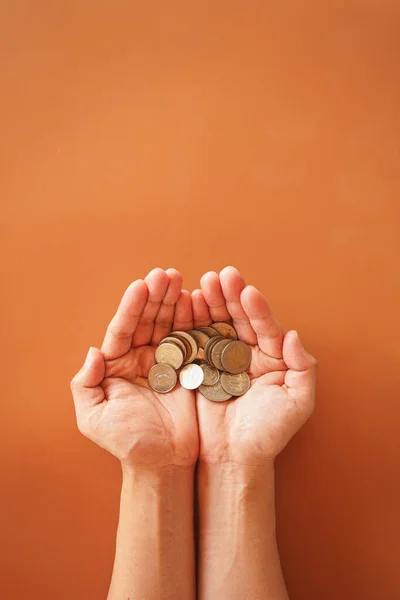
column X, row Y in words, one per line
column 117, row 409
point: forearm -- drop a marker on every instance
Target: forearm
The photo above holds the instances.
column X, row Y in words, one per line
column 154, row 556
column 238, row 554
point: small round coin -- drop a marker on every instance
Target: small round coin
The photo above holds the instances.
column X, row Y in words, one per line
column 237, row 384
column 211, row 374
column 208, row 330
column 176, row 341
column 216, row 351
column 225, row 329
column 185, row 343
column 200, row 337
column 162, row 378
column 208, row 347
column 169, row 354
column 215, row 392
column 236, row 357
column 191, row 376
column 185, row 336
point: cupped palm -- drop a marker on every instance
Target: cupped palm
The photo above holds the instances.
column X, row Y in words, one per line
column 115, row 405
column 255, row 427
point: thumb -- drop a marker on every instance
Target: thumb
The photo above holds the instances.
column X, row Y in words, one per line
column 302, row 366
column 85, row 385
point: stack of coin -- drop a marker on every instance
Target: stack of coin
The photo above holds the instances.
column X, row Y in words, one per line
column 210, row 359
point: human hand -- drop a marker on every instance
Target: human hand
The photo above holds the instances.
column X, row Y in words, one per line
column 115, row 406
column 252, row 429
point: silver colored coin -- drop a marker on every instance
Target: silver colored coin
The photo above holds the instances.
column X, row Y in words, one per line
column 191, row 376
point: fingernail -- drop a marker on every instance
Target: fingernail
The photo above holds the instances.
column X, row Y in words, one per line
column 89, row 356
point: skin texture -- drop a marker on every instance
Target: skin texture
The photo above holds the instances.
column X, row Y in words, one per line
column 255, row 427
column 115, row 406
column 159, row 438
column 154, row 556
column 239, row 440
column 155, row 436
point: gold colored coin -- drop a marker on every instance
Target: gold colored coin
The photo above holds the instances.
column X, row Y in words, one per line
column 237, row 384
column 215, row 342
column 184, row 342
column 170, row 354
column 225, row 329
column 236, row 357
column 209, row 345
column 191, row 376
column 215, row 392
column 162, row 378
column 216, row 351
column 206, row 348
column 200, row 337
column 186, row 337
column 208, row 330
column 176, row 341
column 211, row 374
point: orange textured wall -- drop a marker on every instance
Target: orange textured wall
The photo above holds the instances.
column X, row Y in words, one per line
column 195, row 135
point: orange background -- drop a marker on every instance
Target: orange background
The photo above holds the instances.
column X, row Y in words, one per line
column 195, row 135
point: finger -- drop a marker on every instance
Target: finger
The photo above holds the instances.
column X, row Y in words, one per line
column 85, row 385
column 165, row 316
column 269, row 332
column 232, row 284
column 212, row 292
column 183, row 312
column 157, row 282
column 301, row 375
column 201, row 312
column 118, row 338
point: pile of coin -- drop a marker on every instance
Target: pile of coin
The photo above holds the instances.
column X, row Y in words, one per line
column 211, row 359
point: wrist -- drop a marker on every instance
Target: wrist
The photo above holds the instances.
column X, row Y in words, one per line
column 233, row 474
column 161, row 477
column 161, row 500
column 236, row 525
column 229, row 493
